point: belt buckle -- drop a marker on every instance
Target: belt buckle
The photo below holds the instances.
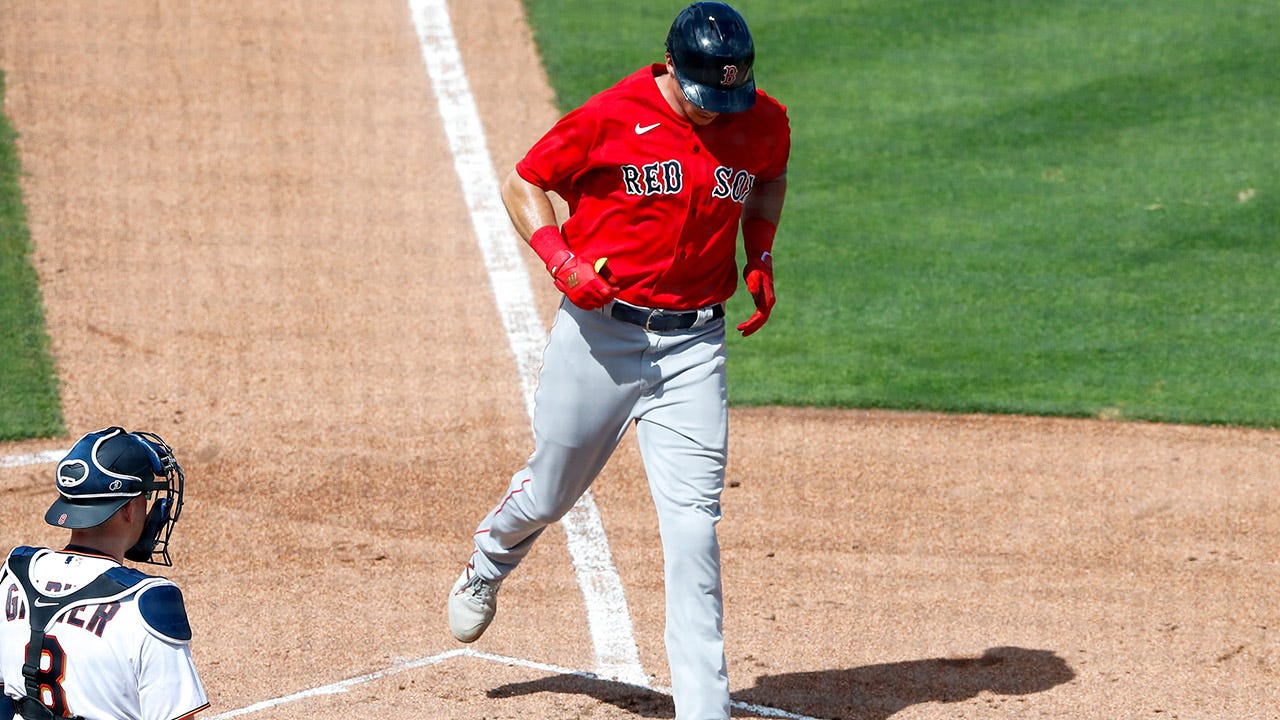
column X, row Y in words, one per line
column 653, row 313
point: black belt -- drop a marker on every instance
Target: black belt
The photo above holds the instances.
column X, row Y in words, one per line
column 659, row 320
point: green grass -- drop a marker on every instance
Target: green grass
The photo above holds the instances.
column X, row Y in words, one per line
column 29, row 405
column 1059, row 208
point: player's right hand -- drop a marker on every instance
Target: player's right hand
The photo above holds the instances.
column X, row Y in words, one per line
column 578, row 280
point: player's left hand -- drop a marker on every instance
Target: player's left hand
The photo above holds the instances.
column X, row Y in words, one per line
column 759, row 279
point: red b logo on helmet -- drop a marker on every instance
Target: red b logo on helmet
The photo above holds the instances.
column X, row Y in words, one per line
column 730, row 74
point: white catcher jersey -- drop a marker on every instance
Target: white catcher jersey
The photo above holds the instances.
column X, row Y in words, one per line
column 114, row 657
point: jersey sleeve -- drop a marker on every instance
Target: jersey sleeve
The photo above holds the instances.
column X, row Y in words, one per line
column 168, row 685
column 778, row 127
column 553, row 161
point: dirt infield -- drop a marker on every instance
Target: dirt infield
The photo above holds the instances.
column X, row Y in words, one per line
column 251, row 239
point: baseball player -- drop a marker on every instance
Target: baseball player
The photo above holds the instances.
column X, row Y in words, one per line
column 82, row 635
column 659, row 172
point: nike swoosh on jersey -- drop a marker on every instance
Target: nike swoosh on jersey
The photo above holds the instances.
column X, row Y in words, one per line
column 41, row 603
column 642, row 129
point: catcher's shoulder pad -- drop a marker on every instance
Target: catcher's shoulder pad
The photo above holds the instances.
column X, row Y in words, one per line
column 163, row 613
column 17, row 554
column 128, row 577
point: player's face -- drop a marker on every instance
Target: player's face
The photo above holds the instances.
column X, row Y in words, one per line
column 696, row 115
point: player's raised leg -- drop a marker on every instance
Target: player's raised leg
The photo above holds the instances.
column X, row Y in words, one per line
column 581, row 411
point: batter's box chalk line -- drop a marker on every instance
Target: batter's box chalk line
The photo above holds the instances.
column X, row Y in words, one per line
column 405, row 665
column 36, row 458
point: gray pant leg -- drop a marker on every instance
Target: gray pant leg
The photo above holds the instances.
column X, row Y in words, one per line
column 683, row 437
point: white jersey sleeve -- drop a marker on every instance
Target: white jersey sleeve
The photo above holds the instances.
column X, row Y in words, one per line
column 168, row 685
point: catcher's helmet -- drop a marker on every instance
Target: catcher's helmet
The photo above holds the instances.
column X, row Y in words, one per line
column 105, row 470
column 712, row 53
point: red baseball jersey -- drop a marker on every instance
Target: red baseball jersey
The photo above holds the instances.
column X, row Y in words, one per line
column 658, row 195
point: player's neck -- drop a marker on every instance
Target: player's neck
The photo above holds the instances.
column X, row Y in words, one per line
column 91, row 546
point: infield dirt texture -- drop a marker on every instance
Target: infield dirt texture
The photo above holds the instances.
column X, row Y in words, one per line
column 251, row 238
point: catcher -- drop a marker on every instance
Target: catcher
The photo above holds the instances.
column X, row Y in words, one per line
column 82, row 635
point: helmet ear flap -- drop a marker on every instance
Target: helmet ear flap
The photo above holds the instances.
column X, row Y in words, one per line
column 159, row 523
column 157, row 519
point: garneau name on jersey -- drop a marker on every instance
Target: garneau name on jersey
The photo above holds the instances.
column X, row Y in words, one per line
column 16, row 609
column 666, row 177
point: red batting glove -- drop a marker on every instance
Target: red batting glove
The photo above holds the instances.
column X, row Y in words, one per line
column 757, row 238
column 760, row 284
column 574, row 276
column 580, row 282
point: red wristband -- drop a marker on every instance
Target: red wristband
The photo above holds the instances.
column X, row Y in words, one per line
column 757, row 240
column 547, row 242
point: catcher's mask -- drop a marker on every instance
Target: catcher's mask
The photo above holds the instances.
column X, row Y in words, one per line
column 108, row 468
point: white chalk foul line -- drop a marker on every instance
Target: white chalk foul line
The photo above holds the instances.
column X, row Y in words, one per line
column 403, row 666
column 36, row 458
column 339, row 687
column 608, row 618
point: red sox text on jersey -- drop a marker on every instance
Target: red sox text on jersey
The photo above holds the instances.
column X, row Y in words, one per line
column 667, row 178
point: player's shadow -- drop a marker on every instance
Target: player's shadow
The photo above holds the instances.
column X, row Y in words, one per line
column 871, row 692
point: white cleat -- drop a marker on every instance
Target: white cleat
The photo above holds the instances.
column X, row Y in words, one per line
column 472, row 604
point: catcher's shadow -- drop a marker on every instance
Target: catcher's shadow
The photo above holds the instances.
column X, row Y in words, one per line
column 871, row 692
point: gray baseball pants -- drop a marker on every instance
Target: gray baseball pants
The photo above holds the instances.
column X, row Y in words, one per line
column 600, row 375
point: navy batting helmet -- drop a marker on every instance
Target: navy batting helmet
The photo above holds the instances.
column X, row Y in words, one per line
column 712, row 53
column 105, row 470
